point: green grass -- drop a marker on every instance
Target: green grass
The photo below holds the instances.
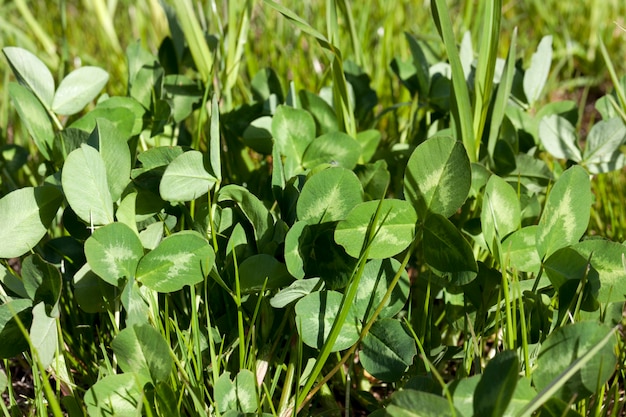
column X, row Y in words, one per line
column 311, row 54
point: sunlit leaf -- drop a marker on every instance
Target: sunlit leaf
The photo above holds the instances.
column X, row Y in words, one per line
column 78, row 88
column 387, row 350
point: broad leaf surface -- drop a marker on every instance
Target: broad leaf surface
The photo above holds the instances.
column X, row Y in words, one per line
column 294, row 292
column 297, row 244
column 118, row 395
column 35, row 118
column 42, row 281
column 113, row 252
column 31, row 72
column 238, row 394
column 375, row 280
column 607, row 258
column 142, row 349
column 184, row 258
column 115, row 153
column 335, row 148
column 566, row 214
column 497, row 385
column 78, row 89
column 393, row 232
column 387, row 350
column 559, row 138
column 185, row 178
column 537, row 73
column 262, row 270
column 520, row 248
column 43, row 335
column 124, row 112
column 293, row 130
column 561, row 349
column 602, row 150
column 315, row 314
column 329, row 195
column 26, row 216
column 446, row 250
column 410, row 403
column 85, row 185
column 10, row 330
column 93, row 295
column 501, row 213
column 253, row 208
column 438, row 177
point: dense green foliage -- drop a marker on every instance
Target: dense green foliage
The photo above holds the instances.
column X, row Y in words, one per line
column 260, row 210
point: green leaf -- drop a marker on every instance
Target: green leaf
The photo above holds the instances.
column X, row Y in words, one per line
column 4, row 381
column 293, row 130
column 253, row 208
column 335, row 148
column 258, row 135
column 185, row 178
column 563, row 347
column 294, row 292
column 115, row 153
column 143, row 350
column 520, row 248
column 297, row 243
column 329, row 195
column 78, row 88
column 387, row 350
column 322, row 112
column 239, row 394
column 115, row 395
column 410, row 403
column 566, row 214
column 393, row 233
column 25, row 217
column 32, row 73
column 497, row 385
column 375, row 280
column 113, row 252
column 438, row 177
column 501, row 213
column 315, row 314
column 42, row 281
column 124, row 112
column 446, row 250
column 537, row 73
column 35, row 118
column 255, row 270
column 93, row 295
column 43, row 335
column 369, row 140
column 215, row 140
column 10, row 312
column 462, row 391
column 374, row 179
column 84, row 180
column 184, row 258
column 558, row 136
column 602, row 149
column 607, row 258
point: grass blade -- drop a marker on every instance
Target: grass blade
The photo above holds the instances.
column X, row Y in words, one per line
column 461, row 107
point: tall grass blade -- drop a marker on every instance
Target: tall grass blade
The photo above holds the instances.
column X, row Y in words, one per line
column 194, row 35
column 461, row 106
column 485, row 69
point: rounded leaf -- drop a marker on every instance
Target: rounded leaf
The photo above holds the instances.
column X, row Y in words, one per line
column 35, row 118
column 26, row 216
column 501, row 213
column 31, row 72
column 84, row 180
column 566, row 214
column 116, row 395
column 142, row 349
column 375, row 280
column 438, row 176
column 184, row 258
column 113, row 252
column 387, row 350
column 393, row 232
column 78, row 88
column 262, row 270
column 335, row 148
column 185, row 178
column 563, row 347
column 315, row 314
column 328, row 196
